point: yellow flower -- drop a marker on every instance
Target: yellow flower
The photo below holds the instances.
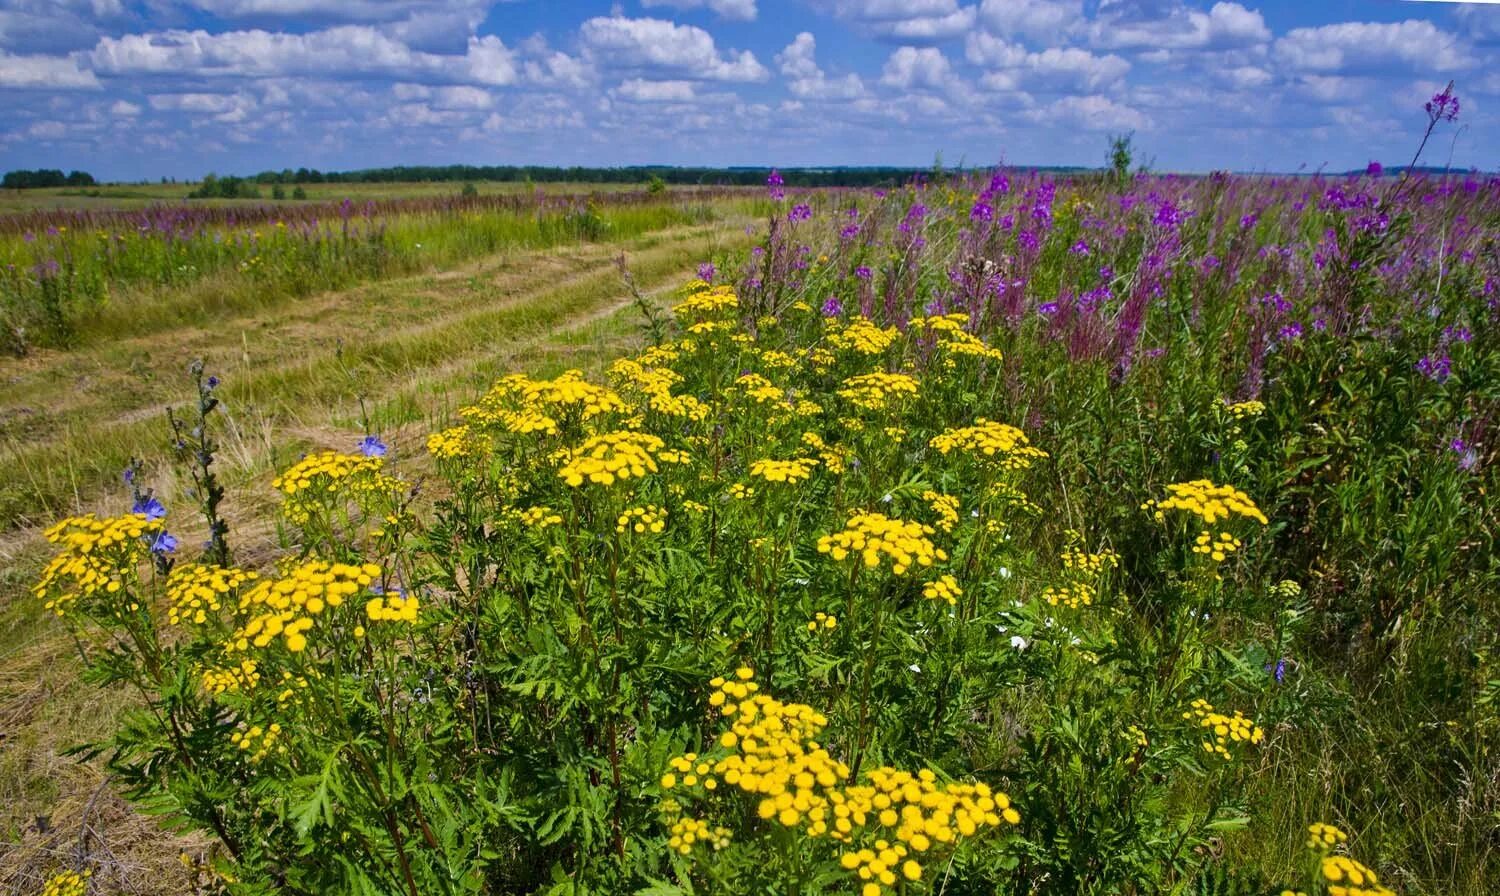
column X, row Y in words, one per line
column 876, row 537
column 944, row 588
column 874, row 391
column 604, row 459
column 998, row 443
column 788, row 471
column 1208, row 501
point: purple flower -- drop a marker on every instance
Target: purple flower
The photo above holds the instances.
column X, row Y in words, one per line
column 707, row 272
column 982, row 211
column 800, row 212
column 1248, row 221
column 832, row 307
column 1290, row 333
column 163, row 543
column 128, row 475
column 774, row 185
column 1047, row 308
column 1457, row 334
column 1436, row 367
column 863, row 273
column 849, row 232
column 1374, row 169
column 1277, row 670
column 150, row 507
column 1443, row 106
column 371, row 446
column 213, row 382
column 1080, row 248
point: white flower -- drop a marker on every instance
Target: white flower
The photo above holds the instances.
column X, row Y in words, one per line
column 915, row 668
column 1004, row 572
column 1001, row 629
column 886, row 499
column 1018, row 642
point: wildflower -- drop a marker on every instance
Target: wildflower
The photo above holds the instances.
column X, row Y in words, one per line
column 822, row 621
column 832, row 307
column 707, row 272
column 149, row 507
column 642, row 520
column 1204, row 499
column 1222, row 732
column 603, row 459
column 1443, row 106
column 943, row 588
column 67, row 883
column 371, row 446
column 1323, row 837
column 800, row 212
column 789, row 471
column 95, row 557
column 874, row 391
column 998, row 443
column 876, row 537
column 164, row 543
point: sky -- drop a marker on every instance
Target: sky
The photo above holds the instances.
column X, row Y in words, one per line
column 142, row 89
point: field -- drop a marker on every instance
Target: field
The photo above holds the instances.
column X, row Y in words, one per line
column 1003, row 534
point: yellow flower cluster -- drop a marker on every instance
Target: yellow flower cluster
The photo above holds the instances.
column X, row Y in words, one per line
column 1219, row 548
column 965, row 344
column 288, row 605
column 655, row 384
column 641, row 520
column 822, row 621
column 67, row 883
column 569, row 392
column 945, row 506
column 612, row 456
column 832, row 457
column 759, row 388
column 256, row 741
column 194, row 591
column 788, row 471
column 539, row 517
column 873, row 535
column 877, row 866
column 1085, row 563
column 741, row 492
column 860, row 336
column 704, row 300
column 393, row 608
column 1208, row 501
column 688, row 831
column 318, row 477
column 236, row 679
column 1072, row 596
column 1221, row 731
column 1323, row 837
column 774, row 755
column 1244, row 409
column 1346, row 877
column 874, row 391
column 455, row 443
column 1000, row 442
column 945, row 587
column 93, row 555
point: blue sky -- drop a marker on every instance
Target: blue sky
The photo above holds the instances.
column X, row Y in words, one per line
column 131, row 89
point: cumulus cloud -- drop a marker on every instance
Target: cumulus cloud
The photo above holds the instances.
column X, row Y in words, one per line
column 1094, row 113
column 806, row 80
column 639, row 90
column 1044, row 20
column 44, row 72
column 1373, row 47
column 917, row 67
column 1153, row 24
column 737, row 10
column 51, row 26
column 685, row 51
column 903, row 21
column 343, row 51
column 123, row 109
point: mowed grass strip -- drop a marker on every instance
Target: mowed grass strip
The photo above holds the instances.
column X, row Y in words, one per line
column 341, row 358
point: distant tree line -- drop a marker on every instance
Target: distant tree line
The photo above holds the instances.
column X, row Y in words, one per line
column 634, row 174
column 45, row 177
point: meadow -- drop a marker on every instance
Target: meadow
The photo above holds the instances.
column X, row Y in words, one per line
column 1003, row 534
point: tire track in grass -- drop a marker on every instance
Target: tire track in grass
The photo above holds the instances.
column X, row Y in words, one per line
column 41, row 479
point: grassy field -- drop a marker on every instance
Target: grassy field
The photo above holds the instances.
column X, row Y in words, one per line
column 1000, row 534
column 299, row 373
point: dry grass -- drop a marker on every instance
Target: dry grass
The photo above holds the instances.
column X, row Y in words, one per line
column 406, row 352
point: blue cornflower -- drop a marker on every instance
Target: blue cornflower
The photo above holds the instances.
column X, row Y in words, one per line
column 371, row 446
column 152, row 508
column 164, row 543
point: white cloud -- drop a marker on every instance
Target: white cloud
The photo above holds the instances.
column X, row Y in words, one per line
column 226, row 108
column 639, row 90
column 1373, row 47
column 653, row 44
column 1044, row 20
column 44, row 72
column 445, row 98
column 917, row 67
column 48, row 26
column 1053, row 69
column 904, row 21
column 1094, row 113
column 806, row 80
column 343, row 51
column 123, row 109
column 1123, row 24
column 737, row 10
